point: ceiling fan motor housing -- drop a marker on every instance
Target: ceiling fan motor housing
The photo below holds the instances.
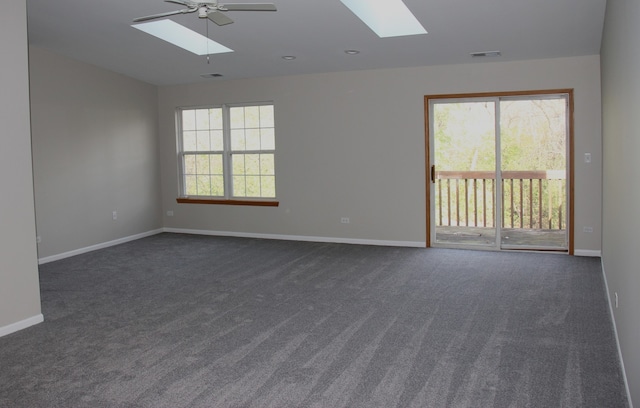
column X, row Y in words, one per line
column 203, row 11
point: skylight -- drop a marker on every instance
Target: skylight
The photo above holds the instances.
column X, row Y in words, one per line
column 387, row 18
column 181, row 36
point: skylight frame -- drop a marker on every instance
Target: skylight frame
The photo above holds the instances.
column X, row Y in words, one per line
column 181, row 36
column 387, row 18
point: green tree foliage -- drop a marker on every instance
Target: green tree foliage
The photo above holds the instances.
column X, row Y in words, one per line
column 533, row 134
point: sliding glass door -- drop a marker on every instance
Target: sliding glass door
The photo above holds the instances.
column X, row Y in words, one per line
column 498, row 172
column 463, row 170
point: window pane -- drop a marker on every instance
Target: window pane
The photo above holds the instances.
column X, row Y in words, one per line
column 266, row 116
column 252, row 164
column 268, row 186
column 237, row 140
column 204, row 185
column 215, row 118
column 267, row 166
column 268, row 140
column 217, row 186
column 202, row 164
column 238, row 163
column 236, row 116
column 217, row 143
column 189, row 120
column 189, row 141
column 253, row 186
column 253, row 139
column 189, row 164
column 202, row 119
column 239, row 189
column 252, row 117
column 204, row 142
column 215, row 164
column 190, row 185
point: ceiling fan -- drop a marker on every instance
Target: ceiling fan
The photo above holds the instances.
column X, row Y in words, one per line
column 211, row 10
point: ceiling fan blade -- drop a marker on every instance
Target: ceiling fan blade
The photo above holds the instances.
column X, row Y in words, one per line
column 190, row 4
column 249, row 7
column 219, row 18
column 170, row 13
column 187, row 3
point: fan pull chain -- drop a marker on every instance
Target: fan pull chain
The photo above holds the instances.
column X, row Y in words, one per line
column 207, row 22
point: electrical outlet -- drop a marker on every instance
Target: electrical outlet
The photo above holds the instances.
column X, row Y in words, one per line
column 587, row 229
column 115, row 215
column 170, row 213
column 344, row 220
column 587, row 157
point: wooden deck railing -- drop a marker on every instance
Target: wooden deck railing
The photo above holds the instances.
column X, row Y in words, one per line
column 530, row 199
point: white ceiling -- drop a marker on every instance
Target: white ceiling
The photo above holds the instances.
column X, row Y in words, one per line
column 317, row 33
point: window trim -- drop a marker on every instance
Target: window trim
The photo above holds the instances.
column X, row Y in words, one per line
column 227, row 153
column 255, row 203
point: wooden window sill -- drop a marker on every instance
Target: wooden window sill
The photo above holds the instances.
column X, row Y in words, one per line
column 256, row 203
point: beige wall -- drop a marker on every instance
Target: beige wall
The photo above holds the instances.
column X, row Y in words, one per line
column 621, row 137
column 351, row 144
column 95, row 151
column 19, row 288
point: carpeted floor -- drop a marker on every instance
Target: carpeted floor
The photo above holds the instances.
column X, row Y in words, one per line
column 193, row 321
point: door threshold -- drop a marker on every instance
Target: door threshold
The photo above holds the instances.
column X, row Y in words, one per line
column 502, row 249
column 535, row 249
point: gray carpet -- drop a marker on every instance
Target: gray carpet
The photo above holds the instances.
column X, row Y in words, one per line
column 190, row 321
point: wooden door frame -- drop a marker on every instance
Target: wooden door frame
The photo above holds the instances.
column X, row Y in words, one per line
column 571, row 162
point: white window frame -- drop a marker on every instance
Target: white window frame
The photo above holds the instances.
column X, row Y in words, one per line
column 227, row 157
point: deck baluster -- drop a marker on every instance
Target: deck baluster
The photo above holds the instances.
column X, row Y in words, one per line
column 449, row 202
column 475, row 202
column 540, row 203
column 440, row 200
column 511, row 200
column 484, row 202
column 521, row 212
column 458, row 202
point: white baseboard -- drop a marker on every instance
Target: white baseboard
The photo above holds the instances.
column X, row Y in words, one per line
column 97, row 246
column 615, row 332
column 587, row 252
column 84, row 250
column 22, row 324
column 306, row 238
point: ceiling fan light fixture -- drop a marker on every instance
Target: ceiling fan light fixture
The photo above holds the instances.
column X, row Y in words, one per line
column 289, row 57
column 351, row 52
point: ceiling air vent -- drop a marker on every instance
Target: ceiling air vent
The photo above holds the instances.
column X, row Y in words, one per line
column 486, row 54
column 212, row 75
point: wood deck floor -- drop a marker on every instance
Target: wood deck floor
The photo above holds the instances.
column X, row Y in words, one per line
column 524, row 238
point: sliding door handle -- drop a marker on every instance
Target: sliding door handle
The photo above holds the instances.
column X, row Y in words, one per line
column 433, row 173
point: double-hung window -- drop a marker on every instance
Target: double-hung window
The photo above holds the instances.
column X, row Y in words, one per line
column 227, row 152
